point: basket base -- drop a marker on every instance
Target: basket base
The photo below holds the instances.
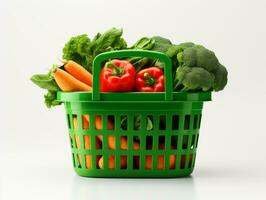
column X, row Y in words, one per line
column 133, row 174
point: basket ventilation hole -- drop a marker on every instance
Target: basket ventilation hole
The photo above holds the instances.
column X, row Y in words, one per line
column 160, row 164
column 123, row 142
column 174, row 140
column 172, row 162
column 185, row 142
column 161, row 144
column 136, row 143
column 175, row 122
column 88, row 161
column 71, row 140
column 162, row 122
column 149, row 142
column 78, row 158
column 87, row 142
column 77, row 141
column 111, row 122
column 137, row 122
column 123, row 162
column 187, row 122
column 195, row 124
column 98, row 141
column 148, row 162
column 183, row 161
column 111, row 162
column 123, row 122
column 85, row 122
column 99, row 162
column 98, row 123
column 75, row 121
column 190, row 161
column 193, row 142
column 135, row 162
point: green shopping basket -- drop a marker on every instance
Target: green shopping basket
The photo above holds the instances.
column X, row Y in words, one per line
column 151, row 134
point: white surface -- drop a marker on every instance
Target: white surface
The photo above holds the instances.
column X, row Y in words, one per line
column 34, row 149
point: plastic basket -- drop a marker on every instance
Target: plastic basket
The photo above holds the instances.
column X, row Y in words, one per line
column 168, row 149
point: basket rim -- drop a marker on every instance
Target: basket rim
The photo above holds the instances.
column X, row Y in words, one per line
column 133, row 97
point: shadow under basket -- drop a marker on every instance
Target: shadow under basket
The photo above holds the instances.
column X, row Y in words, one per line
column 134, row 139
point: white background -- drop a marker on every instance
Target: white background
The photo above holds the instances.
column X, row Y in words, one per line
column 34, row 148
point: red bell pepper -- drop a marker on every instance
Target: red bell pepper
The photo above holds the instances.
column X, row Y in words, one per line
column 150, row 80
column 117, row 76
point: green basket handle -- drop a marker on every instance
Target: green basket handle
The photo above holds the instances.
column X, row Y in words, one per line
column 132, row 53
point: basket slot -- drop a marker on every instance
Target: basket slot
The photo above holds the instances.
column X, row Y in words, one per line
column 123, row 162
column 162, row 122
column 185, row 142
column 195, row 124
column 98, row 122
column 161, row 145
column 124, row 142
column 197, row 140
column 71, row 141
column 193, row 140
column 161, row 162
column 150, row 118
column 111, row 120
column 148, row 162
column 175, row 122
column 138, row 122
column 88, row 161
column 172, row 162
column 73, row 159
column 137, row 140
column 96, row 162
column 187, row 122
column 122, row 123
column 155, row 122
column 136, row 162
column 149, row 142
column 85, row 122
column 174, row 140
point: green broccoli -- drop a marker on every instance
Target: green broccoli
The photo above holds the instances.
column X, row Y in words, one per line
column 197, row 68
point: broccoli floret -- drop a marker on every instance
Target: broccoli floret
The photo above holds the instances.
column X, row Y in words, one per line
column 197, row 68
column 194, row 78
column 220, row 80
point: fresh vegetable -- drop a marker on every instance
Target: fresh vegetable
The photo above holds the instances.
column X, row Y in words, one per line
column 111, row 162
column 149, row 122
column 197, row 68
column 156, row 43
column 117, row 76
column 78, row 72
column 150, row 80
column 68, row 83
column 83, row 50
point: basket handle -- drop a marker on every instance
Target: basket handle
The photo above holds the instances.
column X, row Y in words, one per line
column 132, row 53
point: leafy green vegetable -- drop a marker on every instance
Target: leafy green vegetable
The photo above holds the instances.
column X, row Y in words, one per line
column 45, row 81
column 78, row 49
column 149, row 122
column 83, row 50
column 155, row 43
column 197, row 68
column 50, row 99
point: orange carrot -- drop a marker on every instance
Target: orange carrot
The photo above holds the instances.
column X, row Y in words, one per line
column 78, row 72
column 86, row 137
column 68, row 83
column 111, row 162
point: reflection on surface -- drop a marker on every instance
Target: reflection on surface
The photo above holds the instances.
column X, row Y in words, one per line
column 126, row 189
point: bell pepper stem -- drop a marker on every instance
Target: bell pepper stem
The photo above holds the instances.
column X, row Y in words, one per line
column 150, row 81
column 116, row 71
